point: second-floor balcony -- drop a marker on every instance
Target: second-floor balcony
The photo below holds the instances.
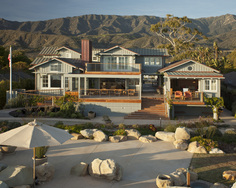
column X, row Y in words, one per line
column 113, row 67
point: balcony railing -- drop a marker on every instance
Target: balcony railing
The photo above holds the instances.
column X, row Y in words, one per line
column 113, row 67
column 110, row 93
column 47, row 92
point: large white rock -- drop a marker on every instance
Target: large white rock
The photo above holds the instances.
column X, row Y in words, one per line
column 165, row 136
column 133, row 134
column 178, row 178
column 234, row 185
column 229, row 175
column 200, row 149
column 147, row 139
column 88, row 133
column 100, row 136
column 180, row 144
column 192, row 147
column 76, row 136
column 182, row 133
column 117, row 138
column 107, row 169
column 216, row 150
column 17, row 175
column 79, row 169
column 3, row 185
column 45, row 172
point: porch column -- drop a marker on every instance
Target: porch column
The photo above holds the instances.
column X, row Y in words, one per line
column 85, row 85
column 140, row 86
column 63, row 84
column 79, row 88
column 159, row 80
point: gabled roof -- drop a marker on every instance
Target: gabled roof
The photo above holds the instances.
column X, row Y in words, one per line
column 76, row 63
column 182, row 62
column 64, row 47
column 109, row 49
column 140, row 51
column 194, row 74
column 39, row 60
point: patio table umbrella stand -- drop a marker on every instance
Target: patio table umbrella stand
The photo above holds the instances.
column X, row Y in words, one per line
column 34, row 134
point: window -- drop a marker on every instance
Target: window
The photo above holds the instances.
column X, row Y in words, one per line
column 45, row 81
column 152, row 61
column 56, row 81
column 56, row 67
column 116, row 63
column 210, row 85
column 66, row 82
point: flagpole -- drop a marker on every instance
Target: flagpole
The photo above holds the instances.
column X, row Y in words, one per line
column 10, row 65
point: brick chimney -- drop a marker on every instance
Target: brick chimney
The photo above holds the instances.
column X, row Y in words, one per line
column 86, row 48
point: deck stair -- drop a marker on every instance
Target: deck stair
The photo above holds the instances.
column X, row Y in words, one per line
column 152, row 108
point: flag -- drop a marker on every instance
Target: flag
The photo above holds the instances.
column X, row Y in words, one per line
column 9, row 59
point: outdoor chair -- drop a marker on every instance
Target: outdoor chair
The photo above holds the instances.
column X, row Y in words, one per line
column 118, row 91
column 131, row 92
column 178, row 94
column 104, row 92
column 188, row 95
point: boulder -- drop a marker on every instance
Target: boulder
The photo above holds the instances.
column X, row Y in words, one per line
column 45, row 172
column 76, row 136
column 88, row 133
column 163, row 181
column 200, row 149
column 193, row 175
column 133, row 134
column 2, row 166
column 229, row 175
column 17, row 175
column 165, row 136
column 218, row 185
column 182, row 133
column 147, row 139
column 216, row 150
column 178, row 178
column 234, row 185
column 180, row 144
column 107, row 169
column 117, row 138
column 79, row 169
column 100, row 136
column 192, row 147
column 3, row 185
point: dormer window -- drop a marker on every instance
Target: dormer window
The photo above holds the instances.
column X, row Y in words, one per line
column 56, row 67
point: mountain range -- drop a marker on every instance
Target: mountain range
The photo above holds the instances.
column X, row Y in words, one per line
column 108, row 30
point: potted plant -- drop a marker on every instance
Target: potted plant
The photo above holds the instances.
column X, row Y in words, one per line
column 40, row 156
column 91, row 114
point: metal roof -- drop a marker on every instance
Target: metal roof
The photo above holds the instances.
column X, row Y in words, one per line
column 49, row 51
column 150, row 52
column 193, row 74
column 39, row 60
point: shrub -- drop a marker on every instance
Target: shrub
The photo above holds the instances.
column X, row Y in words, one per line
column 229, row 137
column 135, row 126
column 170, row 128
column 121, row 126
column 52, row 114
column 73, row 115
column 208, row 144
column 40, row 113
column 120, row 132
column 67, row 108
column 41, row 151
column 152, row 128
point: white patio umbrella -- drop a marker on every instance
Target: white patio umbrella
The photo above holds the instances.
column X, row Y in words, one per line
column 34, row 134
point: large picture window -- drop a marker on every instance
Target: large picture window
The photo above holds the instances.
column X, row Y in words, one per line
column 210, row 85
column 116, row 63
column 56, row 81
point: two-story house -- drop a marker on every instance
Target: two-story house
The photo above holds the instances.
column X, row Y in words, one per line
column 107, row 81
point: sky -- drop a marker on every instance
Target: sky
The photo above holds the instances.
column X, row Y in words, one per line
column 38, row 10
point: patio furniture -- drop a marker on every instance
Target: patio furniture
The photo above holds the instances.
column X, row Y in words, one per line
column 131, row 92
column 178, row 94
column 104, row 92
column 188, row 95
column 118, row 91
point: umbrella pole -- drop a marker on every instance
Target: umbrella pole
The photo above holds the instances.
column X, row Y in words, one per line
column 34, row 164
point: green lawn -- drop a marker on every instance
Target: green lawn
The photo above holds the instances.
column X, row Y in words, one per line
column 210, row 167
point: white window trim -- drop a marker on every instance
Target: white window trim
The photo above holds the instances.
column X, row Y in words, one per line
column 148, row 63
column 49, row 83
column 204, row 85
column 58, row 64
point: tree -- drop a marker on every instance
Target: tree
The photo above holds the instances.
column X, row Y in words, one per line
column 232, row 59
column 177, row 33
column 215, row 103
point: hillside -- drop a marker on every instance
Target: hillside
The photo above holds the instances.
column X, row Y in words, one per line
column 107, row 30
